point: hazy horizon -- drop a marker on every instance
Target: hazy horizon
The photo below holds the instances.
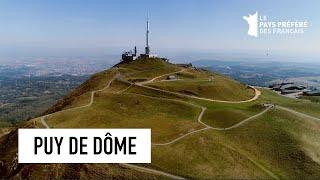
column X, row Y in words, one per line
column 186, row 56
column 107, row 28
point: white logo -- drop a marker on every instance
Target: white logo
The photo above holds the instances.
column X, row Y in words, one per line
column 261, row 25
column 252, row 20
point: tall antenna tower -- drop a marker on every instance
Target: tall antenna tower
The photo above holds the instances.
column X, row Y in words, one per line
column 147, row 49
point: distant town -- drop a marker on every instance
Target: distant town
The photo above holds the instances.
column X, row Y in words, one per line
column 55, row 66
column 28, row 88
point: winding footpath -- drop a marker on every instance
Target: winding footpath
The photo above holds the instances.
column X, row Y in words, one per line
column 163, row 75
column 207, row 127
column 257, row 93
column 199, row 118
column 42, row 118
column 132, row 166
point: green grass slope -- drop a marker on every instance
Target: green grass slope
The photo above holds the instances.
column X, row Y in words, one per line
column 167, row 119
column 281, row 142
column 95, row 82
column 82, row 171
column 144, row 69
column 275, row 145
column 207, row 85
column 300, row 105
column 315, row 99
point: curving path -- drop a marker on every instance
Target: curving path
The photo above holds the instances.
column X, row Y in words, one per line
column 138, row 168
column 207, row 127
column 143, row 84
column 199, row 119
column 42, row 118
column 153, row 79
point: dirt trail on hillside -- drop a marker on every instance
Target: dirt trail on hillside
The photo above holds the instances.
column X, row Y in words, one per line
column 297, row 113
column 199, row 119
column 257, row 93
column 42, row 118
column 153, row 79
column 138, row 168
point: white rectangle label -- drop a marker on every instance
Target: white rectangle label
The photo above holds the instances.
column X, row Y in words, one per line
column 84, row 146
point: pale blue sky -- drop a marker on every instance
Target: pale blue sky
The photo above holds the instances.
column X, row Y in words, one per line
column 176, row 25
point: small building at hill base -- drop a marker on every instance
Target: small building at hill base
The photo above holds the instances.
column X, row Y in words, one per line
column 171, row 77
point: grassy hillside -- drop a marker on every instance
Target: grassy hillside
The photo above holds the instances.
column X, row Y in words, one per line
column 275, row 145
column 283, row 143
column 300, row 105
column 223, row 116
column 205, row 156
column 144, row 69
column 82, row 171
column 315, row 99
column 269, row 147
column 95, row 82
column 132, row 111
column 212, row 86
column 5, row 123
column 5, row 127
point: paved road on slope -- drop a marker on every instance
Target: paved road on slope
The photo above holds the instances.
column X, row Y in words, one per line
column 256, row 96
column 257, row 93
column 163, row 75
